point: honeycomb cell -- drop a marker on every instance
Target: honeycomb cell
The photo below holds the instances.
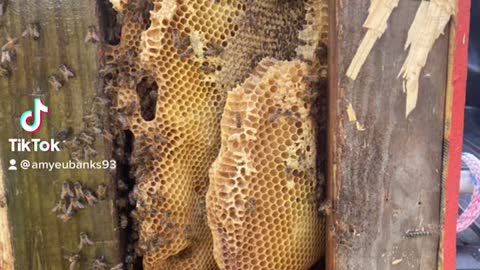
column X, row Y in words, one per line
column 261, row 203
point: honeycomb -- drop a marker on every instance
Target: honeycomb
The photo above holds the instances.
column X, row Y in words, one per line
column 262, row 205
column 169, row 77
column 179, row 50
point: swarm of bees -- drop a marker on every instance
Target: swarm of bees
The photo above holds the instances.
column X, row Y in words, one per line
column 74, row 197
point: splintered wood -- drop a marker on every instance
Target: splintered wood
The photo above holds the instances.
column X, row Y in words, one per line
column 429, row 23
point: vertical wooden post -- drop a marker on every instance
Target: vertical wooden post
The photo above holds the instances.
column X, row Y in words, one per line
column 40, row 239
column 385, row 172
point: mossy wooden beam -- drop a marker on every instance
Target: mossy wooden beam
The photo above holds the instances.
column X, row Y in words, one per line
column 39, row 239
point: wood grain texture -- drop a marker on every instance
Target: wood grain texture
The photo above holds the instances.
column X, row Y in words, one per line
column 40, row 240
column 387, row 179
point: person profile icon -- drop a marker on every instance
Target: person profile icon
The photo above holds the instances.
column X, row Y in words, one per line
column 13, row 165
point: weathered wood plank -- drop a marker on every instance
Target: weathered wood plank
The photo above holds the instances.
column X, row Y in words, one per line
column 40, row 240
column 387, row 179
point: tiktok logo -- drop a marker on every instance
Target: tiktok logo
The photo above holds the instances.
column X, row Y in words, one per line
column 32, row 121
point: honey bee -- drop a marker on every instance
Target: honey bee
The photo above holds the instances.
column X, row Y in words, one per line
column 129, row 259
column 66, row 72
column 6, row 57
column 141, row 248
column 121, row 203
column 90, row 152
column 132, row 197
column 91, row 199
column 65, row 217
column 117, row 267
column 186, row 54
column 77, row 187
column 84, row 240
column 100, row 264
column 311, row 79
column 109, row 69
column 66, row 191
column 73, row 260
column 213, row 49
column 179, row 42
column 207, row 68
column 92, row 36
column 87, row 139
column 61, row 206
column 3, row 5
column 5, row 71
column 76, row 204
column 107, row 136
column 102, row 191
column 33, row 30
column 64, row 134
column 238, row 120
column 3, row 201
column 123, row 221
column 121, row 185
column 160, row 139
column 322, row 53
column 123, row 121
column 55, row 82
column 10, row 45
column 326, row 207
column 134, row 215
column 251, row 206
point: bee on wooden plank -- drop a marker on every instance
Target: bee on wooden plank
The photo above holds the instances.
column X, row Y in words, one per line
column 7, row 56
column 85, row 138
column 100, row 264
column 74, row 260
column 55, row 82
column 65, row 217
column 67, row 191
column 89, row 152
column 60, row 207
column 67, row 73
column 10, row 45
column 102, row 191
column 92, row 36
column 3, row 6
column 5, row 71
column 90, row 198
column 64, row 133
column 76, row 204
column 33, row 31
column 77, row 187
column 117, row 267
column 84, row 241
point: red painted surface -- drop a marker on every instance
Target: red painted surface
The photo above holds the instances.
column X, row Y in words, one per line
column 456, row 135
